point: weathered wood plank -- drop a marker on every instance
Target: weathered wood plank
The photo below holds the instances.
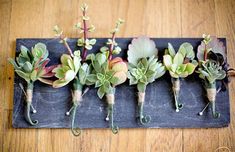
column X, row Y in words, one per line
column 225, row 21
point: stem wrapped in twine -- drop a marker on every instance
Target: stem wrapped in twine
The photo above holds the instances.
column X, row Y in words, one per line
column 144, row 119
column 176, row 91
column 29, row 99
column 111, row 100
column 211, row 95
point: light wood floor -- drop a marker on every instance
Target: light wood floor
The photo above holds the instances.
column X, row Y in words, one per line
column 155, row 18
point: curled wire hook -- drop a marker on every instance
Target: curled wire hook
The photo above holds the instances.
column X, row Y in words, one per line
column 176, row 92
column 144, row 119
column 109, row 118
column 178, row 105
column 28, row 116
column 75, row 131
column 28, row 106
column 214, row 112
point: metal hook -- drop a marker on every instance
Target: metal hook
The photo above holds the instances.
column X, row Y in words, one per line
column 113, row 127
column 144, row 119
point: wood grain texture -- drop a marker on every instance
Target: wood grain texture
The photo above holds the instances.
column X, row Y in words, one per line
column 156, row 18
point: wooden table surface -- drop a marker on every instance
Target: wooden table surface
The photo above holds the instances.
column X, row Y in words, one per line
column 154, row 18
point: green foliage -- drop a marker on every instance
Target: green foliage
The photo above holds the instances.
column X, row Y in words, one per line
column 86, row 43
column 146, row 71
column 143, row 66
column 68, row 69
column 106, row 74
column 210, row 71
column 182, row 63
column 31, row 65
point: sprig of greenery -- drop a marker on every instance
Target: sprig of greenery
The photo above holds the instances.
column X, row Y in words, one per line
column 85, row 42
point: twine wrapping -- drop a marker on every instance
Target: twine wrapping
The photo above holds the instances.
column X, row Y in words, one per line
column 141, row 97
column 110, row 98
column 176, row 85
column 77, row 96
column 29, row 96
column 211, row 94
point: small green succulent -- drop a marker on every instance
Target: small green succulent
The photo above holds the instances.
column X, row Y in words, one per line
column 212, row 58
column 143, row 68
column 145, row 72
column 31, row 66
column 178, row 64
column 210, row 71
column 68, row 69
column 106, row 74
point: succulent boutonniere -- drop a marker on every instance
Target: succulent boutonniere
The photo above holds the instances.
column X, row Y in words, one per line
column 74, row 66
column 143, row 68
column 108, row 73
column 179, row 65
column 212, row 58
column 31, row 66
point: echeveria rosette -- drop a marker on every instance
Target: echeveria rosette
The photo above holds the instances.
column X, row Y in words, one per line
column 143, row 68
column 31, row 66
column 179, row 65
column 212, row 60
column 106, row 75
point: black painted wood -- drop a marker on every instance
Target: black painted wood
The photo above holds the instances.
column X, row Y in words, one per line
column 52, row 104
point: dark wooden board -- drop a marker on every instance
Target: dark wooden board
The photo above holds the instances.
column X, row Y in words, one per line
column 52, row 104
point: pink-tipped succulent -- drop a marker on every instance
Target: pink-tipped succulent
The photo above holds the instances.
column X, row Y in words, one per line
column 108, row 73
column 31, row 66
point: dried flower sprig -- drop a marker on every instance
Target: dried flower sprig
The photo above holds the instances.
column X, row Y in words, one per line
column 179, row 65
column 31, row 66
column 74, row 66
column 143, row 68
column 108, row 73
column 211, row 55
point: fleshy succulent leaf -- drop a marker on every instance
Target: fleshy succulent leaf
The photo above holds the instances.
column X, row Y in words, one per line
column 141, row 47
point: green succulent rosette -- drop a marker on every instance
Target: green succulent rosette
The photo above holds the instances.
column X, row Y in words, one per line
column 180, row 65
column 143, row 68
column 31, row 66
column 211, row 55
